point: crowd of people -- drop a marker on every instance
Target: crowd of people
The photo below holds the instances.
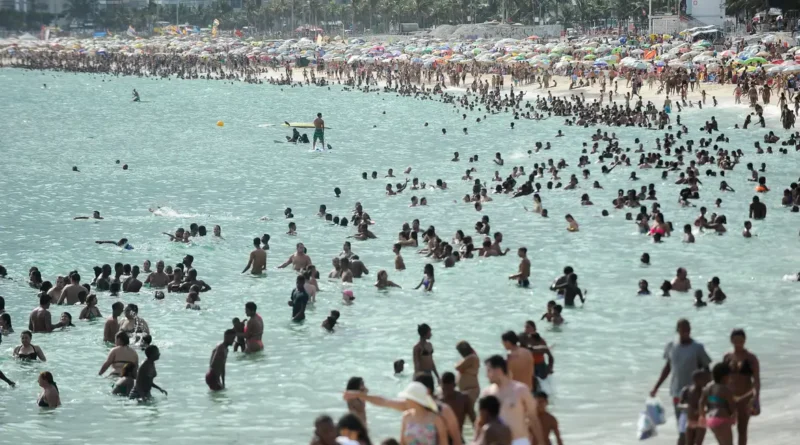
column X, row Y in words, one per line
column 512, row 410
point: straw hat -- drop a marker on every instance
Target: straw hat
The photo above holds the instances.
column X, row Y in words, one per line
column 417, row 392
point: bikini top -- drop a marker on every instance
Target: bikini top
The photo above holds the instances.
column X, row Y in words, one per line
column 30, row 356
column 742, row 368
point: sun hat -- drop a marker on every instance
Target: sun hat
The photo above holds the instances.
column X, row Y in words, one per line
column 417, row 392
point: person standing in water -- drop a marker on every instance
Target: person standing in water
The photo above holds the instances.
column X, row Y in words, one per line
column 524, row 268
column 258, row 259
column 136, row 97
column 319, row 130
column 253, row 329
column 215, row 377
column 423, row 352
column 146, row 374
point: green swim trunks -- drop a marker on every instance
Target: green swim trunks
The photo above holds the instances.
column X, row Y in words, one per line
column 319, row 133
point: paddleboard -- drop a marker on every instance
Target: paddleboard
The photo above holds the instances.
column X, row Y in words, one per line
column 301, row 125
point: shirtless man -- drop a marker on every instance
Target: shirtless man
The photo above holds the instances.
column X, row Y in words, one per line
column 158, row 278
column 357, row 267
column 258, row 259
column 39, row 320
column 132, row 284
column 496, row 248
column 112, row 325
column 517, row 403
column 457, row 400
column 758, row 210
column 253, row 329
column 344, row 270
column 520, row 361
column 680, row 283
column 215, row 377
column 72, row 292
column 319, row 130
column 299, row 260
column 524, row 268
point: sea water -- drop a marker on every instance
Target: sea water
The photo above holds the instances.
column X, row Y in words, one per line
column 608, row 354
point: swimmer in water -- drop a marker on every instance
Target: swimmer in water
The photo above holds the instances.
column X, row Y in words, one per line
column 95, row 215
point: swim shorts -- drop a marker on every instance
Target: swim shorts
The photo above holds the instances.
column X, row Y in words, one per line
column 212, row 381
column 319, row 133
column 524, row 283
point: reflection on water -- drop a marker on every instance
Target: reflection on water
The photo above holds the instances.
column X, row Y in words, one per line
column 608, row 355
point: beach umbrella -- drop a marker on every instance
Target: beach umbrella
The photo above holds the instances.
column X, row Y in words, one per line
column 754, row 60
column 589, row 57
column 600, row 63
column 639, row 65
column 533, row 37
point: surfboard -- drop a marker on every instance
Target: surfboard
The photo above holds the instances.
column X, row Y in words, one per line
column 301, row 125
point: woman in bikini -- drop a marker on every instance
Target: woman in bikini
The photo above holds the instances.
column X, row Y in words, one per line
column 718, row 406
column 427, row 279
column 467, row 369
column 90, row 311
column 423, row 352
column 745, row 382
column 49, row 398
column 28, row 351
column 133, row 325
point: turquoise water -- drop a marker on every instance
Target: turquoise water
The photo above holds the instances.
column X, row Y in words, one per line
column 607, row 356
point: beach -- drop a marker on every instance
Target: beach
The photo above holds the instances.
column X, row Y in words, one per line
column 608, row 354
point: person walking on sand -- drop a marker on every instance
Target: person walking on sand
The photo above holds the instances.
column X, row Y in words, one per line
column 215, row 377
column 683, row 358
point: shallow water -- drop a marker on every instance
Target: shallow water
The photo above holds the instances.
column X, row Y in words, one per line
column 607, row 356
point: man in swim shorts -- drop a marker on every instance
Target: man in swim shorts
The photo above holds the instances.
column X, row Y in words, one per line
column 215, row 377
column 319, row 130
column 524, row 268
column 253, row 329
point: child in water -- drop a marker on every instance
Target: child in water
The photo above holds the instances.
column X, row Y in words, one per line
column 238, row 326
column 689, row 405
column 549, row 314
column 557, row 319
column 548, row 421
column 698, row 299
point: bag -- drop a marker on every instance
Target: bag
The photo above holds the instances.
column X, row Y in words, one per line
column 645, row 428
column 655, row 411
column 683, row 422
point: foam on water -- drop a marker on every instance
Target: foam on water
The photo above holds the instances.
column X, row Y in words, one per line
column 608, row 354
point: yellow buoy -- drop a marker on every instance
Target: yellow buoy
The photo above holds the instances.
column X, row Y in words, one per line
column 220, row 124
